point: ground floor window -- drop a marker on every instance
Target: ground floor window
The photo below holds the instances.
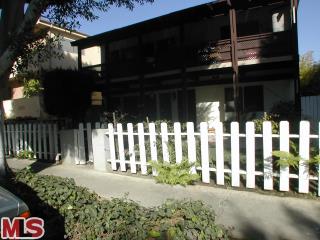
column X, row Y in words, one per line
column 251, row 99
column 173, row 105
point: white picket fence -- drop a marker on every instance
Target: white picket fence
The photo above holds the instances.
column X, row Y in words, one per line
column 39, row 137
column 128, row 151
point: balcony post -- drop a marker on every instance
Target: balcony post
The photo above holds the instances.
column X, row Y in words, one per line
column 106, row 77
column 141, row 106
column 183, row 76
column 234, row 57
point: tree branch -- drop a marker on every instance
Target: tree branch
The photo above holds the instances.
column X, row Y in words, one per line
column 10, row 54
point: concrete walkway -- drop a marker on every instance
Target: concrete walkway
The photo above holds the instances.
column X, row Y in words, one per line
column 252, row 215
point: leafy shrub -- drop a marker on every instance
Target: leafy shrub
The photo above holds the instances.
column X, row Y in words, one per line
column 31, row 87
column 286, row 159
column 26, row 154
column 267, row 117
column 67, row 93
column 174, row 174
column 86, row 216
column 286, row 111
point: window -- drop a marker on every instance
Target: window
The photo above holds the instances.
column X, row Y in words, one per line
column 251, row 99
column 243, row 29
column 229, row 102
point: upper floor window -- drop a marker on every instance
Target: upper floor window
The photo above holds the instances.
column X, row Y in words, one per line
column 243, row 29
column 125, row 54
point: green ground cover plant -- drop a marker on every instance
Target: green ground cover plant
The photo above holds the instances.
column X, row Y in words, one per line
column 73, row 212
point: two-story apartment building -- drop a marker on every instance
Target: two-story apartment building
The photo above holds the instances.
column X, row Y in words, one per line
column 225, row 60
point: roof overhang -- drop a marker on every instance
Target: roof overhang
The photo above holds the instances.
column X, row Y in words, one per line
column 208, row 10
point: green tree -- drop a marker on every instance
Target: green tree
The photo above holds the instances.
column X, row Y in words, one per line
column 309, row 74
column 17, row 23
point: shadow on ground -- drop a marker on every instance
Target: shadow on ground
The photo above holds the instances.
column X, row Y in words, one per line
column 297, row 222
column 38, row 166
column 54, row 222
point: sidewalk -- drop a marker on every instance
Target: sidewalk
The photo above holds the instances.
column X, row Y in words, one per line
column 252, row 215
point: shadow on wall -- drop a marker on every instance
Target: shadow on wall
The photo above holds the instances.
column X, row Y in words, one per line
column 68, row 61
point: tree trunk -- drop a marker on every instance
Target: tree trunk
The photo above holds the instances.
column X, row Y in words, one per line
column 15, row 23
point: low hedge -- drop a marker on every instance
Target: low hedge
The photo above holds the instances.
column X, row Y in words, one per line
column 73, row 212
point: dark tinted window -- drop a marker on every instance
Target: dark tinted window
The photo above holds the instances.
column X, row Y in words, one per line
column 253, row 99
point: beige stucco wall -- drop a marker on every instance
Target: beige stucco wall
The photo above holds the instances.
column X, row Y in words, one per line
column 22, row 108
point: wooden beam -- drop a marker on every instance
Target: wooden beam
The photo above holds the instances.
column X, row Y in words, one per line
column 295, row 50
column 234, row 56
column 141, row 77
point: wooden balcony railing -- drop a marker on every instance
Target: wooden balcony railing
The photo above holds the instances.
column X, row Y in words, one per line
column 251, row 47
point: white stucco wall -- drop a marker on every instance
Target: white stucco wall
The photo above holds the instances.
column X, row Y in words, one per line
column 273, row 92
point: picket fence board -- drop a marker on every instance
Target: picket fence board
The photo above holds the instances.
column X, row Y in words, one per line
column 219, row 153
column 55, row 139
column 51, row 146
column 97, row 125
column 81, row 145
column 5, row 140
column 165, row 139
column 304, row 143
column 284, row 146
column 235, row 155
column 112, row 147
column 177, row 142
column 204, row 152
column 25, row 135
column 191, row 140
column 250, row 155
column 142, row 149
column 29, row 148
column 153, row 145
column 20, row 137
column 89, row 141
column 121, row 148
column 13, row 138
column 132, row 153
column 267, row 156
column 34, row 137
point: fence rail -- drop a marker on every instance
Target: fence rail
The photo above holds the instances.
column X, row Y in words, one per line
column 239, row 159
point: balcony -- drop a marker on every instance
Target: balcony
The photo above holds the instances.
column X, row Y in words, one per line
column 253, row 47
